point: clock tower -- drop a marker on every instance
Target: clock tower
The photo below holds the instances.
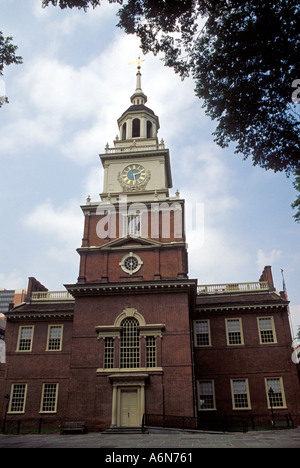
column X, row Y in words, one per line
column 138, row 165
column 132, row 347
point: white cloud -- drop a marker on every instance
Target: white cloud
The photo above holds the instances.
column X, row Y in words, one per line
column 58, row 231
column 63, row 224
column 26, row 132
column 69, row 20
column 206, row 178
column 73, row 109
column 93, row 183
column 60, row 90
column 12, row 280
column 295, row 318
column 218, row 258
column 264, row 258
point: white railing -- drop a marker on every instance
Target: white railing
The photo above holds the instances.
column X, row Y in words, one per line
column 232, row 287
column 51, row 296
column 134, row 147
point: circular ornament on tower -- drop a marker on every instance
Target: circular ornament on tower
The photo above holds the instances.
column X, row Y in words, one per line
column 131, row 263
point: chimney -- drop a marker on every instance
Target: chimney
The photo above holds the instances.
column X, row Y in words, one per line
column 267, row 276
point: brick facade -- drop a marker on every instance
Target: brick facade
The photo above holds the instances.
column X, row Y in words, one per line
column 251, row 361
column 134, row 336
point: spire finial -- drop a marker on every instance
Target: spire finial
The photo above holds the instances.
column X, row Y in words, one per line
column 138, row 97
column 138, row 75
column 138, row 61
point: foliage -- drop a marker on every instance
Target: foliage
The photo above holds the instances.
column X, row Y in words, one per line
column 243, row 57
column 7, row 57
column 296, row 204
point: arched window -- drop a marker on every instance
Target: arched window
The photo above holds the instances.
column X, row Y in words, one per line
column 149, row 129
column 129, row 344
column 135, row 128
column 135, row 348
column 124, row 131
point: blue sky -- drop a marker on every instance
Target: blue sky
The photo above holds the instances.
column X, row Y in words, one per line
column 65, row 100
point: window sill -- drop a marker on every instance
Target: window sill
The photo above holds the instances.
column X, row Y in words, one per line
column 151, row 370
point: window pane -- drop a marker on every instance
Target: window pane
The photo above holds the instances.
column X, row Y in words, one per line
column 266, row 330
column 150, row 351
column 55, row 334
column 206, row 394
column 132, row 225
column 17, row 404
column 130, row 344
column 108, row 353
column 202, row 333
column 240, row 394
column 49, row 398
column 25, row 339
column 234, row 331
column 275, row 396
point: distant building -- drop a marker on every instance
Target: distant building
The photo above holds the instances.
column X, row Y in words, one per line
column 11, row 297
column 6, row 298
column 2, row 334
column 135, row 340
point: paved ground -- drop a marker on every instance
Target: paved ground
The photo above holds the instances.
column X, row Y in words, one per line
column 285, row 438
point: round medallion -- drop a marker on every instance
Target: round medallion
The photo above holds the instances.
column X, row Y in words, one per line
column 131, row 263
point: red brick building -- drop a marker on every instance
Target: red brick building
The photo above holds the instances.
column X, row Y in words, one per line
column 135, row 336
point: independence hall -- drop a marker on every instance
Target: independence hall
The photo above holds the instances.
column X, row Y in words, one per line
column 135, row 342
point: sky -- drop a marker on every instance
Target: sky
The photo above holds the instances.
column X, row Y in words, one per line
column 76, row 80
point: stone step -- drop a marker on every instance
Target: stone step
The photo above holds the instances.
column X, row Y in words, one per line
column 126, row 430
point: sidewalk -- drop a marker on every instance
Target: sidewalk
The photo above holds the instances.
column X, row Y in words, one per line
column 285, row 438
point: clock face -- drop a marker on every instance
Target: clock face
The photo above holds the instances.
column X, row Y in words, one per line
column 134, row 174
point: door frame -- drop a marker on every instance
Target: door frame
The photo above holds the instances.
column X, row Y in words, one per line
column 133, row 382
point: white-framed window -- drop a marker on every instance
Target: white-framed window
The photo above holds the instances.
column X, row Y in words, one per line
column 266, row 329
column 202, row 333
column 150, row 351
column 240, row 394
column 130, row 344
column 132, row 225
column 54, row 338
column 206, row 395
column 234, row 331
column 18, row 398
column 25, row 338
column 49, row 398
column 275, row 392
column 108, row 353
column 136, row 343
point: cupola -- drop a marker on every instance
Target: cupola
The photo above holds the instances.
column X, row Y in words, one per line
column 138, row 123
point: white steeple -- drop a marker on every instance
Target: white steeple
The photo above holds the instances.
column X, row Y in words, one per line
column 138, row 122
column 138, row 166
column 138, row 97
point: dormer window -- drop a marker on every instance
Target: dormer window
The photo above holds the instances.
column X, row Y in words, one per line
column 136, row 128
